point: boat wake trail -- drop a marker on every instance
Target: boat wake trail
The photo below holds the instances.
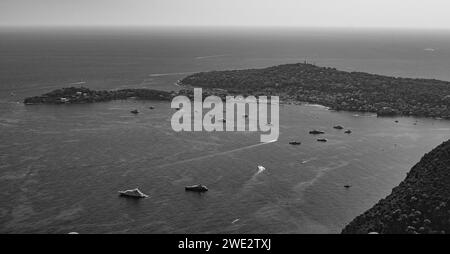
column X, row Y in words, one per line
column 211, row 56
column 169, row 74
column 311, row 159
column 214, row 154
column 78, row 83
column 260, row 170
column 320, row 172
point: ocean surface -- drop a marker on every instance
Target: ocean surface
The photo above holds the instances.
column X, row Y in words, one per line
column 61, row 166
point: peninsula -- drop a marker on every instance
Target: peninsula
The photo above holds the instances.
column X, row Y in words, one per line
column 338, row 90
column 294, row 83
column 79, row 95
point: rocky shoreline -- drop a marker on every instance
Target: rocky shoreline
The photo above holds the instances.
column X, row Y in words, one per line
column 338, row 90
column 81, row 95
column 420, row 204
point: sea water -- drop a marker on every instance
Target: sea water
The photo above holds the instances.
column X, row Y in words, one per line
column 62, row 165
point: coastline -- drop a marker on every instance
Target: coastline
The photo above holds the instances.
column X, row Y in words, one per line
column 419, row 204
column 71, row 95
column 81, row 95
column 335, row 89
column 298, row 84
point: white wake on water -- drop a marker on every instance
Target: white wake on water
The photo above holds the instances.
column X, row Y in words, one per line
column 169, row 74
column 211, row 56
column 260, row 170
column 215, row 154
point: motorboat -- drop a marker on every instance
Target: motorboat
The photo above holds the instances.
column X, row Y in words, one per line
column 134, row 111
column 196, row 188
column 261, row 168
column 295, row 143
column 322, row 140
column 316, row 132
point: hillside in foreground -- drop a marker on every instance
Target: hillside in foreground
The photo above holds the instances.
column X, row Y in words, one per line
column 339, row 90
column 420, row 204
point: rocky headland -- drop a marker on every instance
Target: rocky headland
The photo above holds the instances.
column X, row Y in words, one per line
column 338, row 90
column 420, row 204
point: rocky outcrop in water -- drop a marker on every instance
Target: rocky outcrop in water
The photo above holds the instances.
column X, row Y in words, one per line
column 420, row 204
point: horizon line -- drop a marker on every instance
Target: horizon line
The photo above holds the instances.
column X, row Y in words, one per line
column 236, row 27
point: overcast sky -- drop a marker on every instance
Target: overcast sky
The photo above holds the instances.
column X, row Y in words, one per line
column 302, row 13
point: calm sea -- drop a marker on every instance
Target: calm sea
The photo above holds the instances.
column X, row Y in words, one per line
column 61, row 166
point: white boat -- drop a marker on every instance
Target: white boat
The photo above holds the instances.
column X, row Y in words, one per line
column 261, row 169
column 134, row 193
